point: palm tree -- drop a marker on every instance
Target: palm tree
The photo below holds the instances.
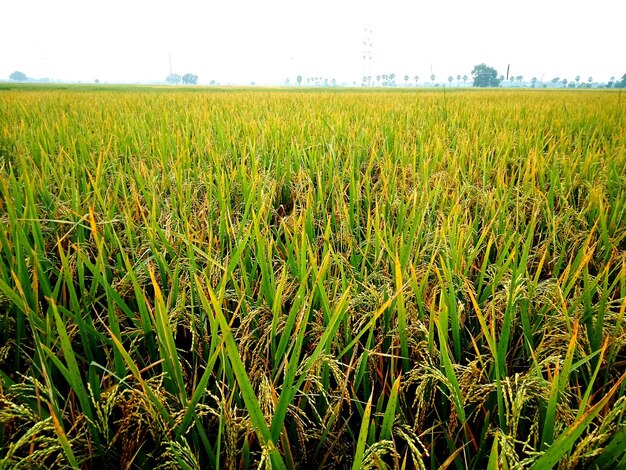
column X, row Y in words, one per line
column 416, row 78
column 512, row 79
column 299, row 80
column 577, row 79
column 611, row 82
column 432, row 79
column 519, row 79
column 590, row 80
column 534, row 81
column 458, row 80
column 564, row 82
column 378, row 79
column 406, row 80
column 465, row 77
column 392, row 76
column 450, row 78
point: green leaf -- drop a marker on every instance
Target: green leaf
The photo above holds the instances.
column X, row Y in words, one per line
column 390, row 412
column 359, row 454
column 564, row 443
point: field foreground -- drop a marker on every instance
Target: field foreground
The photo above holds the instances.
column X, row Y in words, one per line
column 299, row 279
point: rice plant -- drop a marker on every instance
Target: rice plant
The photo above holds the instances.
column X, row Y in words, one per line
column 300, row 279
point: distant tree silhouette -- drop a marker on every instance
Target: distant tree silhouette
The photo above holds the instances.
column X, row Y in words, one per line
column 299, row 80
column 416, row 78
column 18, row 76
column 485, row 76
column 458, row 80
column 432, row 78
column 450, row 78
column 173, row 79
column 465, row 77
column 577, row 79
column 406, row 80
column 534, row 81
column 190, row 79
column 564, row 82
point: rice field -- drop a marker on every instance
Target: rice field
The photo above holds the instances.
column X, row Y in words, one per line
column 233, row 279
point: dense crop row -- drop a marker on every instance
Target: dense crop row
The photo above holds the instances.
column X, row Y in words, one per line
column 301, row 279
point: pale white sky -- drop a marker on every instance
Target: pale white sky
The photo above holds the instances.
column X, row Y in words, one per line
column 268, row 41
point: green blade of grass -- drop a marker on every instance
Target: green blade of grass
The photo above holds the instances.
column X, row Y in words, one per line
column 239, row 369
column 564, row 443
column 390, row 412
column 359, row 452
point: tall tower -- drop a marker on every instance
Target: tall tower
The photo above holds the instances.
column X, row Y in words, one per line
column 367, row 53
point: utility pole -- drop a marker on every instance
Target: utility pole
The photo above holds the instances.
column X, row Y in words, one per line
column 366, row 51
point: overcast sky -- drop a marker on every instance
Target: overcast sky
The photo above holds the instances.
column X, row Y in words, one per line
column 269, row 41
